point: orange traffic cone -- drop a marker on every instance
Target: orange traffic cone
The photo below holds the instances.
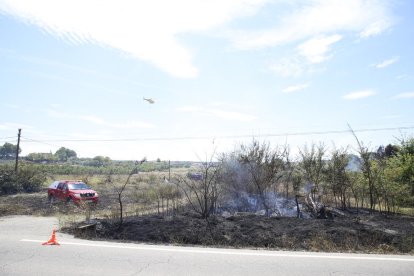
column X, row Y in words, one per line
column 52, row 240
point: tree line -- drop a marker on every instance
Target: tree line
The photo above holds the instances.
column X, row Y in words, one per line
column 8, row 152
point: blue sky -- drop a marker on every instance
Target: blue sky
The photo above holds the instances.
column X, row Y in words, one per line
column 74, row 74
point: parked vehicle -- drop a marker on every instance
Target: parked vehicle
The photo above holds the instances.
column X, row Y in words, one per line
column 71, row 191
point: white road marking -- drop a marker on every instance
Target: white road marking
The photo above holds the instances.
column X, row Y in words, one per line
column 241, row 253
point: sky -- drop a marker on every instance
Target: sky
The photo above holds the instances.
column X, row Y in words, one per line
column 221, row 72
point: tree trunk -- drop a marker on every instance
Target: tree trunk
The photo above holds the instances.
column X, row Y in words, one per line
column 297, row 206
column 120, row 210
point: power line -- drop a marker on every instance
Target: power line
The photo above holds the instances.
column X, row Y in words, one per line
column 221, row 137
column 9, row 141
column 3, row 138
column 37, row 141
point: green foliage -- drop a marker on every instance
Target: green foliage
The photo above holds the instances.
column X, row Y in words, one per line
column 312, row 164
column 41, row 157
column 64, row 154
column 390, row 150
column 407, row 146
column 8, row 183
column 399, row 173
column 29, row 179
column 8, row 151
column 337, row 175
column 100, row 161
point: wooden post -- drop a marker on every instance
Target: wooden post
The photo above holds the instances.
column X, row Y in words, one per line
column 17, row 151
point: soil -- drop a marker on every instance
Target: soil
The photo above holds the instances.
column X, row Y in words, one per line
column 363, row 232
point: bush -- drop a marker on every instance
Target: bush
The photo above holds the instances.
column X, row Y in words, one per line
column 8, row 184
column 27, row 180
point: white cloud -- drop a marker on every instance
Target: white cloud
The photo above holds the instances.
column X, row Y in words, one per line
column 295, row 88
column 359, row 94
column 375, row 28
column 288, row 67
column 146, row 30
column 312, row 18
column 150, row 30
column 311, row 28
column 315, row 50
column 406, row 95
column 386, row 63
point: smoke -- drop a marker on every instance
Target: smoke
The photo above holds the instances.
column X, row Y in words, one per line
column 250, row 203
column 239, row 194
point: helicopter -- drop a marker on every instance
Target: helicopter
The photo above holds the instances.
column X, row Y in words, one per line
column 150, row 100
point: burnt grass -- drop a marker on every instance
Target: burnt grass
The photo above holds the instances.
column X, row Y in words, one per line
column 378, row 233
column 363, row 232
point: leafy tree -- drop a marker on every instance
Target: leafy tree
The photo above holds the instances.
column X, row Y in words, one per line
column 8, row 151
column 100, row 161
column 358, row 187
column 397, row 187
column 405, row 161
column 63, row 154
column 312, row 165
column 391, row 150
column 369, row 174
column 337, row 175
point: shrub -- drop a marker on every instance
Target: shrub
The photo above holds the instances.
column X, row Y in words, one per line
column 27, row 180
column 8, row 184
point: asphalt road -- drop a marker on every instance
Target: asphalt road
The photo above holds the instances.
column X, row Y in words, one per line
column 21, row 253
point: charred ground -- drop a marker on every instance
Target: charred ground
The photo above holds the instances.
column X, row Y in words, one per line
column 363, row 232
column 354, row 233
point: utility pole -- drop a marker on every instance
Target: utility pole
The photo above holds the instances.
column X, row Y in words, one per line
column 17, row 150
column 169, row 170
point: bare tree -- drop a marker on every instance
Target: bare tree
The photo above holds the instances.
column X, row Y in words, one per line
column 265, row 167
column 120, row 190
column 289, row 168
column 202, row 194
